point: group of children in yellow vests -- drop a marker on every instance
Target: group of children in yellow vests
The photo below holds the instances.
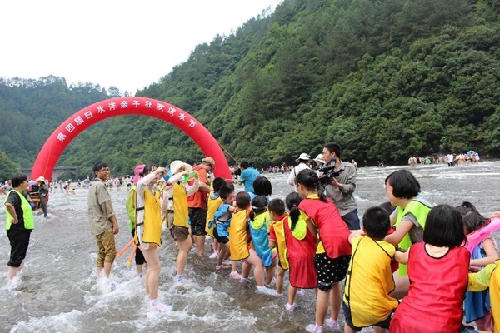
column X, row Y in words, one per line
column 305, row 235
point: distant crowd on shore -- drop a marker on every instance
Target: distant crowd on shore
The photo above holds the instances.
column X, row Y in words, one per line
column 450, row 159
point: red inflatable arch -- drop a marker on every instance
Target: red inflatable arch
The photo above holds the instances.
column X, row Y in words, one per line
column 86, row 117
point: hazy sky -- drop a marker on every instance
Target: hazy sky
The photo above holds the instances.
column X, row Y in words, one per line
column 127, row 44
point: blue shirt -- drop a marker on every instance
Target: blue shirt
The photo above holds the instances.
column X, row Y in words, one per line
column 247, row 177
column 222, row 226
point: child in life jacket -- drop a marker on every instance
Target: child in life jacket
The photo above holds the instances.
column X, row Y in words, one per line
column 403, row 190
column 366, row 300
column 213, row 202
column 300, row 242
column 277, row 239
column 220, row 224
column 258, row 232
column 438, row 270
column 263, row 187
column 333, row 252
column 489, row 277
column 477, row 304
column 240, row 247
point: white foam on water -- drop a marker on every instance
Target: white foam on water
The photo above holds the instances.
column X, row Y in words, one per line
column 66, row 322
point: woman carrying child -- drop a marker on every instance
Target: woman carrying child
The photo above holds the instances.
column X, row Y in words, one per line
column 477, row 304
column 437, row 268
column 334, row 251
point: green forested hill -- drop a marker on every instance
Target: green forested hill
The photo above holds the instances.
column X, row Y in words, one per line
column 31, row 109
column 386, row 79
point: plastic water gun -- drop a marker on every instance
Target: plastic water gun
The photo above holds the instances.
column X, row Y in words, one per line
column 190, row 176
column 476, row 237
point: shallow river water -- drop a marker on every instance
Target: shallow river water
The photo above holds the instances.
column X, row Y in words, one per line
column 59, row 293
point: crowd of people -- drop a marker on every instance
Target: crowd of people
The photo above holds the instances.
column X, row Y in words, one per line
column 451, row 159
column 405, row 261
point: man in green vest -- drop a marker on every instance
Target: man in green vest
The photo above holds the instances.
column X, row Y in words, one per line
column 19, row 224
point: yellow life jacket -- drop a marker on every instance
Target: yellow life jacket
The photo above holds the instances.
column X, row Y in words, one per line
column 212, row 205
column 180, row 206
column 238, row 235
column 369, row 281
column 152, row 218
column 280, row 241
column 27, row 212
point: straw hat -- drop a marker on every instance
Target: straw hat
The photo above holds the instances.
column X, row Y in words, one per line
column 40, row 179
column 175, row 166
column 319, row 159
column 210, row 161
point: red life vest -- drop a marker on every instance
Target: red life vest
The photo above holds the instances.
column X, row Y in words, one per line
column 437, row 290
column 333, row 231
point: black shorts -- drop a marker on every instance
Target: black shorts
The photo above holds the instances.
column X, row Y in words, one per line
column 348, row 319
column 330, row 270
column 139, row 257
column 19, row 241
column 223, row 239
column 198, row 217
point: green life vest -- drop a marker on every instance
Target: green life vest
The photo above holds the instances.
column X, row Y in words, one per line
column 130, row 206
column 418, row 209
column 27, row 213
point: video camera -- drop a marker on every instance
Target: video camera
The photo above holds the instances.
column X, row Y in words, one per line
column 327, row 174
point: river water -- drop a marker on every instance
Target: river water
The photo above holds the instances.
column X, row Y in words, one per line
column 58, row 290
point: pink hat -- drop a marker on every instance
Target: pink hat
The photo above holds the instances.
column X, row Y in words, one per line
column 137, row 170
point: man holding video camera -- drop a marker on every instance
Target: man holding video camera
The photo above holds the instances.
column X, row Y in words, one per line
column 340, row 180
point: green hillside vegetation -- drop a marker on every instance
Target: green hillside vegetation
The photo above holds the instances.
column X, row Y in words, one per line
column 386, row 79
column 31, row 109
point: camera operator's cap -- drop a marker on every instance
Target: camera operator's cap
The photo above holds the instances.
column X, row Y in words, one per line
column 303, row 157
column 175, row 166
column 210, row 161
column 319, row 159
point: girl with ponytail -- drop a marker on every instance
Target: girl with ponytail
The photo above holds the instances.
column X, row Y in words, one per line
column 301, row 242
column 333, row 251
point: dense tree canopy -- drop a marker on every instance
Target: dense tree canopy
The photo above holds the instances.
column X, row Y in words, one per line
column 385, row 79
column 7, row 167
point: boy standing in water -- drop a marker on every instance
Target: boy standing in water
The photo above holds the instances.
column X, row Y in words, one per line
column 102, row 219
column 366, row 300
